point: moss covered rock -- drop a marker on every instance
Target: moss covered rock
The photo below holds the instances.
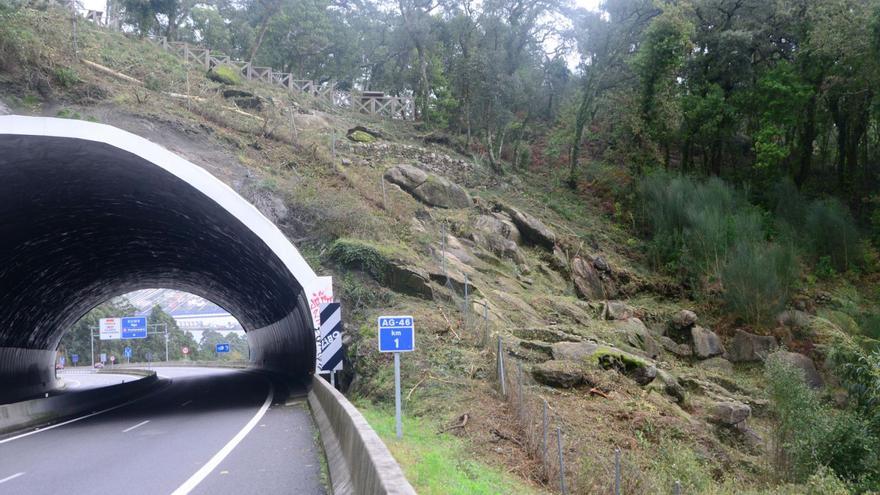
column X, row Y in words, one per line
column 225, row 74
column 362, row 137
column 381, row 264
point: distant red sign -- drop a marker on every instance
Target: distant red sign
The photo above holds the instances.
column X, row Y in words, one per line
column 185, row 350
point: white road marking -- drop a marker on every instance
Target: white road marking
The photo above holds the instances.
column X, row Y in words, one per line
column 9, row 478
column 212, row 464
column 186, row 403
column 142, row 423
column 74, row 420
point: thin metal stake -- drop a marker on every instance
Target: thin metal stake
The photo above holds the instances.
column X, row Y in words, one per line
column 384, row 197
column 519, row 379
column 544, row 437
column 617, row 471
column 465, row 310
column 397, row 394
column 501, row 368
column 485, row 325
column 561, row 461
column 676, row 488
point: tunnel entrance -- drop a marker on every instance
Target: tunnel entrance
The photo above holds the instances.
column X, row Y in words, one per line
column 88, row 212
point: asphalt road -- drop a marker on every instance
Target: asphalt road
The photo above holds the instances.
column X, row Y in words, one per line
column 210, row 431
column 75, row 381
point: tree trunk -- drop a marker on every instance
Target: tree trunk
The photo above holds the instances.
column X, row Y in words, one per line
column 808, row 135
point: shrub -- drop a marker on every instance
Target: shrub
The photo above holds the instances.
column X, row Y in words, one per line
column 757, row 279
column 358, row 254
column 830, row 231
column 809, row 435
column 66, row 77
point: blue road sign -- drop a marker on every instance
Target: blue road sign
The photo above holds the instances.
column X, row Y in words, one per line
column 396, row 334
column 134, row 327
column 127, row 352
column 74, row 358
column 222, row 348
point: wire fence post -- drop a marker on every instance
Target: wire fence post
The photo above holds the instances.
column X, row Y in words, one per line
column 676, row 488
column 561, row 461
column 501, row 368
column 617, row 471
column 384, row 197
column 485, row 325
column 520, row 399
column 544, row 435
column 465, row 308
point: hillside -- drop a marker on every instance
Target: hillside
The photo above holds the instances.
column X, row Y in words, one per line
column 408, row 221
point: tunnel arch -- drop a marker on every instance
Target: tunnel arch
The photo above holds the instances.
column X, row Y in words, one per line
column 88, row 211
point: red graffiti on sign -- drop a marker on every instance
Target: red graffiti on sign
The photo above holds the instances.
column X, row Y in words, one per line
column 317, row 299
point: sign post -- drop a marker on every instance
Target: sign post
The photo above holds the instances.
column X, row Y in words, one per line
column 396, row 335
column 127, row 353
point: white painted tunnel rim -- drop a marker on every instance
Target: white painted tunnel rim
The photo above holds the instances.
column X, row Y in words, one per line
column 192, row 174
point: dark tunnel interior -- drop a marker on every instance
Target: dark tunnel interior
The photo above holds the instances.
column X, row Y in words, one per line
column 83, row 221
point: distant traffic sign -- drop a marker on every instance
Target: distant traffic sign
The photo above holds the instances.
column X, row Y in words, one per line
column 127, row 352
column 74, row 358
column 396, row 334
column 110, row 328
column 184, row 350
column 103, row 357
column 134, row 327
column 222, row 348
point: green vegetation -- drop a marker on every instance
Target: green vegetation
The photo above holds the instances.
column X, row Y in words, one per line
column 362, row 137
column 435, row 463
column 361, row 255
column 810, row 435
column 225, row 74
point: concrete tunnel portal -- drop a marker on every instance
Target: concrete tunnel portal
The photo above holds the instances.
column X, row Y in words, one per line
column 89, row 212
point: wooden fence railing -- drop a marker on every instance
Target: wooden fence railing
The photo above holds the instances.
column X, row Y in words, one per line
column 374, row 103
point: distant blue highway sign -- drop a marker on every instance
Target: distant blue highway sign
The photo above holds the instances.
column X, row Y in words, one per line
column 222, row 348
column 396, row 334
column 74, row 358
column 134, row 327
column 127, row 352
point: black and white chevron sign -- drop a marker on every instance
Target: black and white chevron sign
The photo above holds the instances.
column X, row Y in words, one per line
column 330, row 339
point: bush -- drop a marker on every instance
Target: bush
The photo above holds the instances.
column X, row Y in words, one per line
column 810, row 435
column 358, row 254
column 66, row 77
column 830, row 231
column 757, row 279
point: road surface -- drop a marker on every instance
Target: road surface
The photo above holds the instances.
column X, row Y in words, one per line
column 82, row 380
column 210, row 431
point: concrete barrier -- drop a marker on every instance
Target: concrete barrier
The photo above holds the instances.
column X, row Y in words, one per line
column 43, row 411
column 359, row 461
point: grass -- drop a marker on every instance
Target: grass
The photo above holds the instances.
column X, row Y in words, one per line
column 438, row 464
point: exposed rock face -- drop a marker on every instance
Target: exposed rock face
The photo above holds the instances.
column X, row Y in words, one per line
column 749, row 347
column 805, row 364
column 498, row 223
column 793, row 318
column 4, row 110
column 680, row 350
column 730, row 412
column 670, row 385
column 706, row 343
column 644, row 375
column 636, row 334
column 532, row 229
column 546, row 334
column 586, row 280
column 716, row 363
column 574, row 351
column 500, row 246
column 684, row 319
column 431, row 189
column 408, row 280
column 559, row 373
column 559, row 260
column 617, row 310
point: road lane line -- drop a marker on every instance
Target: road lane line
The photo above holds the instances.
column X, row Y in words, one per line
column 186, row 403
column 212, row 464
column 9, row 478
column 142, row 423
column 74, row 420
